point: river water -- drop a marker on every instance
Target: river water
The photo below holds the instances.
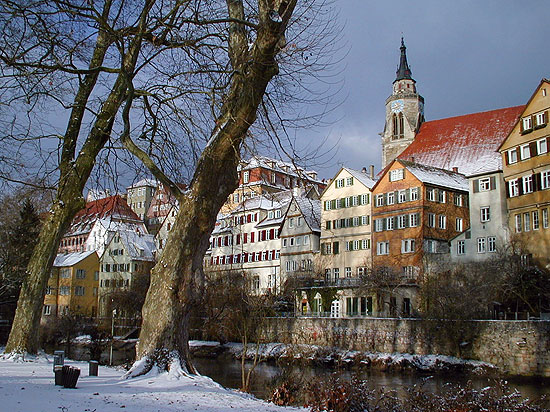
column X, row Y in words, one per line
column 227, row 372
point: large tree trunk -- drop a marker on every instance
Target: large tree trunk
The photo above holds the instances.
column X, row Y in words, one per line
column 177, row 278
column 74, row 173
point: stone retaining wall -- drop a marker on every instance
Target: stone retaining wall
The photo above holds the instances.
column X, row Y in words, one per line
column 515, row 347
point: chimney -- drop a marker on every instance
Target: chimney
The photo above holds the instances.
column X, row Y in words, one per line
column 371, row 171
column 364, row 170
column 412, row 159
column 455, row 169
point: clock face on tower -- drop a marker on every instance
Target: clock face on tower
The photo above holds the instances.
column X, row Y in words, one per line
column 397, row 106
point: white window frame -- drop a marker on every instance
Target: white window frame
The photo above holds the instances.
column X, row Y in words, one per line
column 397, row 174
column 430, row 194
column 380, row 200
column 461, row 247
column 413, row 220
column 527, row 182
column 383, row 248
column 485, row 214
column 545, row 218
column 442, row 221
column 459, row 224
column 542, row 146
column 491, row 244
column 539, row 119
column 402, row 221
column 485, row 184
column 524, row 152
column 414, row 193
column 526, row 222
column 408, row 245
column 512, row 156
column 518, row 224
column 246, row 176
column 535, row 219
column 431, row 219
column 389, row 223
column 390, row 198
column 349, row 181
column 402, row 196
column 527, row 123
column 545, row 179
column 481, row 245
column 513, row 187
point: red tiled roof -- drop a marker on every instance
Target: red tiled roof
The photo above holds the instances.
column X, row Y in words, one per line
column 469, row 142
column 108, row 206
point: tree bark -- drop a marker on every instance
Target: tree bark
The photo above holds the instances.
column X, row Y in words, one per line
column 177, row 278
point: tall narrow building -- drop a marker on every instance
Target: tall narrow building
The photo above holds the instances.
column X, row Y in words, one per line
column 404, row 112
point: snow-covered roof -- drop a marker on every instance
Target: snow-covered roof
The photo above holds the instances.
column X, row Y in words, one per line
column 70, row 259
column 311, row 210
column 467, row 142
column 143, row 183
column 138, row 246
column 361, row 177
column 436, row 176
column 269, row 201
column 281, row 166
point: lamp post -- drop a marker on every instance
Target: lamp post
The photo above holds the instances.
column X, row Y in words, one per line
column 112, row 336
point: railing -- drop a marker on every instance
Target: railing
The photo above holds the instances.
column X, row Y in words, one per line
column 340, row 282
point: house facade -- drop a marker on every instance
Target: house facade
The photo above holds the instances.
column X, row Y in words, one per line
column 72, row 286
column 139, row 196
column 526, row 169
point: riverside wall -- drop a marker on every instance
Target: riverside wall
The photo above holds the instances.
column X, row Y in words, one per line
column 514, row 347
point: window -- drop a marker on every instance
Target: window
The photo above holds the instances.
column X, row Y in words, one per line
column 79, row 290
column 413, row 219
column 459, row 224
column 383, row 248
column 485, row 184
column 299, row 241
column 64, row 290
column 545, row 218
column 517, row 218
column 389, row 223
column 80, row 274
column 513, row 188
column 526, row 222
column 442, row 221
column 397, row 174
column 545, row 180
column 524, row 151
column 256, row 283
column 431, row 220
column 535, row 220
column 379, row 200
column 284, row 242
column 365, row 220
column 273, row 177
column 336, row 273
column 430, row 194
column 66, row 273
column 407, row 245
column 540, row 119
column 339, row 183
column 306, row 239
column 512, row 156
column 491, row 244
column 430, row 246
column 378, row 225
column 526, row 123
column 458, row 200
column 336, row 247
column 485, row 214
column 542, row 146
column 291, row 222
column 414, row 193
column 348, row 272
column 47, row 310
column 402, row 221
column 246, row 176
column 480, row 245
column 349, row 181
column 365, row 199
column 365, row 244
column 527, row 184
column 235, row 198
column 291, row 241
column 391, row 198
column 441, row 196
column 300, row 221
column 402, row 196
column 460, row 247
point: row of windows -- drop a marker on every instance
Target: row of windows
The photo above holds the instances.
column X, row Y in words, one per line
column 240, row 220
column 339, row 183
column 333, row 248
column 347, row 222
column 527, row 150
column 116, row 267
column 303, row 265
column 350, row 201
column 296, row 241
column 529, row 184
column 66, row 290
column 229, row 240
column 114, row 283
column 396, row 222
column 527, row 221
column 398, row 196
column 484, row 244
column 442, row 196
column 246, row 257
column 116, row 252
column 409, row 246
column 533, row 122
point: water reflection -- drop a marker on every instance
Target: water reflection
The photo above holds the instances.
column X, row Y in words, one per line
column 227, row 372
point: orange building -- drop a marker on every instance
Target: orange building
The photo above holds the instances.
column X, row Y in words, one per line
column 417, row 209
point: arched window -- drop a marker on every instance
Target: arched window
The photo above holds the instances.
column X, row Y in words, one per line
column 398, row 123
column 395, row 126
column 401, row 126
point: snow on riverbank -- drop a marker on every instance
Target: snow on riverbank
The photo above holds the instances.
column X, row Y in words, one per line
column 29, row 386
column 381, row 361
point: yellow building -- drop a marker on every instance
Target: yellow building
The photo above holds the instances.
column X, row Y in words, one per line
column 73, row 285
column 526, row 170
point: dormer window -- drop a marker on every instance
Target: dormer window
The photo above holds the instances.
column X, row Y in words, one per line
column 526, row 124
column 541, row 119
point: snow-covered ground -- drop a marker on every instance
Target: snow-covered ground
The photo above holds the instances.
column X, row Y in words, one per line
column 28, row 386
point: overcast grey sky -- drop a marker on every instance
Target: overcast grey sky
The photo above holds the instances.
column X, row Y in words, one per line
column 466, row 56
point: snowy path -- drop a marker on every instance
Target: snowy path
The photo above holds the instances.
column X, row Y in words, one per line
column 29, row 387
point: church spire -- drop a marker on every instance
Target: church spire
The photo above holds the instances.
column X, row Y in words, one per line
column 403, row 71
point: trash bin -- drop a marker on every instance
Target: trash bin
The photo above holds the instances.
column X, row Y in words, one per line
column 58, row 358
column 70, row 376
column 58, row 371
column 93, row 368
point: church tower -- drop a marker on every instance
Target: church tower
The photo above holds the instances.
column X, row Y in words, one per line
column 404, row 112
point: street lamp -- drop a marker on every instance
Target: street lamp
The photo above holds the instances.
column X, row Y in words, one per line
column 112, row 336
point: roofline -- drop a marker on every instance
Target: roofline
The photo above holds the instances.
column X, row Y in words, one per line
column 542, row 81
